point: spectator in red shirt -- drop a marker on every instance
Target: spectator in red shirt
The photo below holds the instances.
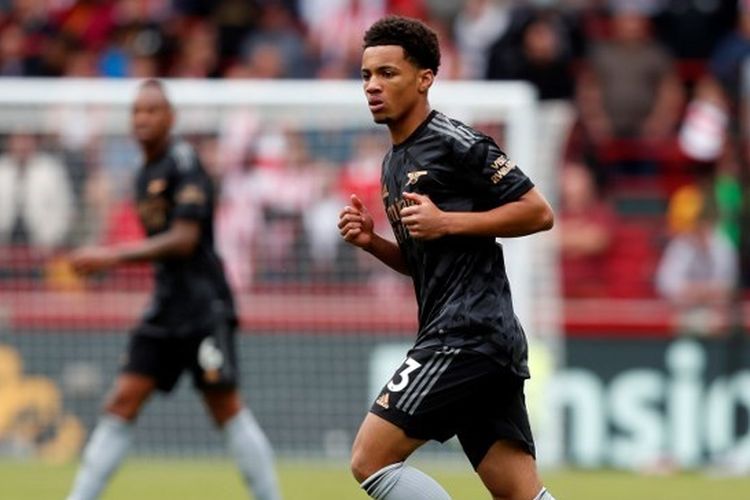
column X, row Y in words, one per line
column 587, row 224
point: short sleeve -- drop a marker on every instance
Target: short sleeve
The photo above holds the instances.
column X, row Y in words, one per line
column 493, row 176
column 192, row 192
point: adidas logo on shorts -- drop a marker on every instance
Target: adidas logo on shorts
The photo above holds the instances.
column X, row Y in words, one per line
column 384, row 400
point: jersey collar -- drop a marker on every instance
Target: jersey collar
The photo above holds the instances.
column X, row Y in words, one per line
column 416, row 132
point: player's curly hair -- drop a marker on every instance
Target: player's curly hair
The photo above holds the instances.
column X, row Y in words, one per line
column 419, row 42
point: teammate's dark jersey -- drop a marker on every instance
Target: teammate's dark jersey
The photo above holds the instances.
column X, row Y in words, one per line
column 462, row 290
column 191, row 293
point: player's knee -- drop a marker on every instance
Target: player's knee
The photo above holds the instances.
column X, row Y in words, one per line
column 511, row 489
column 126, row 412
column 501, row 495
column 361, row 466
column 223, row 406
column 357, row 468
column 123, row 405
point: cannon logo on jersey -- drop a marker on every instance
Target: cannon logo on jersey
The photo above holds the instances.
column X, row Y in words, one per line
column 413, row 177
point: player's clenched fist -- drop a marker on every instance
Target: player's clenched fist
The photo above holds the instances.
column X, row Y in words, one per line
column 423, row 219
column 355, row 223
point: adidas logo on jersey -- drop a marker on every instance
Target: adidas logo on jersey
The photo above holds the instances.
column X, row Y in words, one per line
column 384, row 400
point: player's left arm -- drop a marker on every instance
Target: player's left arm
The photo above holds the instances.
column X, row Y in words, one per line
column 514, row 207
column 529, row 214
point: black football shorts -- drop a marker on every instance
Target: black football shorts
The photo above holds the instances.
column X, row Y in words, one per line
column 211, row 359
column 438, row 394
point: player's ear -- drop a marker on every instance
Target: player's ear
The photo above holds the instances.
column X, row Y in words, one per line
column 426, row 77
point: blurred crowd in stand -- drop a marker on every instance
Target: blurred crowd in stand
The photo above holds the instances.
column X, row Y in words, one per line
column 651, row 173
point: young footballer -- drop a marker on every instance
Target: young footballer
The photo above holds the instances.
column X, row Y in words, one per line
column 449, row 192
column 190, row 323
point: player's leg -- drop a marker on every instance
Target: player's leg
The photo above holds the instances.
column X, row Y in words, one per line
column 151, row 363
column 378, row 456
column 223, row 405
column 509, row 473
column 498, row 440
column 399, row 422
column 378, row 444
column 246, row 441
column 128, row 395
column 110, row 440
column 214, row 369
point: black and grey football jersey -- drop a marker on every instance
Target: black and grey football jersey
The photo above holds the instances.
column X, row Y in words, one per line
column 462, row 290
column 191, row 293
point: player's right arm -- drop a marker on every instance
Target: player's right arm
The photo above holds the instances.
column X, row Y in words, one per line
column 179, row 241
column 356, row 227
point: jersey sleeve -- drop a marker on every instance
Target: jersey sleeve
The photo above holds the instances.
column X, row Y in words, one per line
column 493, row 176
column 192, row 191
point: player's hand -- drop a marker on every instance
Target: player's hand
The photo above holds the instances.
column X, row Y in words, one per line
column 355, row 224
column 423, row 219
column 90, row 260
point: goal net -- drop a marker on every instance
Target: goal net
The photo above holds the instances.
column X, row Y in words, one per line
column 322, row 325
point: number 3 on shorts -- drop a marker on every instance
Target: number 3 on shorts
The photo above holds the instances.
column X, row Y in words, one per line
column 403, row 376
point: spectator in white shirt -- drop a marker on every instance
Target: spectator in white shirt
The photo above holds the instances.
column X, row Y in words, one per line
column 698, row 274
column 37, row 204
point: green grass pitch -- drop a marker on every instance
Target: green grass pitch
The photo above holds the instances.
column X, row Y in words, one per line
column 210, row 479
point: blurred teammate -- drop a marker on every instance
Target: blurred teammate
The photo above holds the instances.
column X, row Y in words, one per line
column 448, row 191
column 190, row 323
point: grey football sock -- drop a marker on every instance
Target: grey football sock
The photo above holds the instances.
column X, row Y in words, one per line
column 402, row 482
column 544, row 495
column 105, row 450
column 252, row 452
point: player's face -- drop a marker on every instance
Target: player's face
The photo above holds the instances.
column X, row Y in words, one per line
column 393, row 85
column 152, row 116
